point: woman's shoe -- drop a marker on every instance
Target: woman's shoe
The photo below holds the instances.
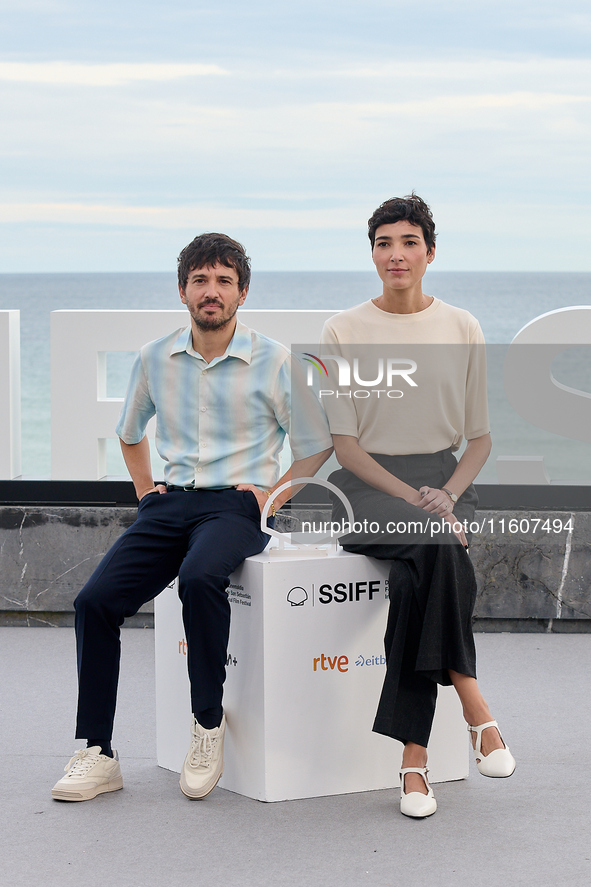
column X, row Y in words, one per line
column 499, row 763
column 416, row 804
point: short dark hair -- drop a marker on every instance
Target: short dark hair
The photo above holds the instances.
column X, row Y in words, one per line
column 411, row 209
column 207, row 250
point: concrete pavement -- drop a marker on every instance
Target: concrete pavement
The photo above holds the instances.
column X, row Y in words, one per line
column 532, row 829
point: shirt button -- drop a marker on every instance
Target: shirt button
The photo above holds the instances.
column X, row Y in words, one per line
column 204, row 373
column 200, row 469
column 203, row 409
column 201, row 444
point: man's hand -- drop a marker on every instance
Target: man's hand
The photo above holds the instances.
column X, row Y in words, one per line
column 159, row 488
column 300, row 468
column 261, row 496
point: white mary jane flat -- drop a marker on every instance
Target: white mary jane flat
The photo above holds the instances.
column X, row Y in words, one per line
column 499, row 763
column 416, row 804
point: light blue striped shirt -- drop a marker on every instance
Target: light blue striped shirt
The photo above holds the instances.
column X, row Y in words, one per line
column 222, row 423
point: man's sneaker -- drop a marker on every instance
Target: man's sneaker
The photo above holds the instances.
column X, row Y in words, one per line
column 204, row 763
column 88, row 774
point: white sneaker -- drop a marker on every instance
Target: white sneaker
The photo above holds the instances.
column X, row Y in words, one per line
column 88, row 774
column 204, row 763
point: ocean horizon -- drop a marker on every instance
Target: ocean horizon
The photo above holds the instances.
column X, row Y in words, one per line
column 503, row 302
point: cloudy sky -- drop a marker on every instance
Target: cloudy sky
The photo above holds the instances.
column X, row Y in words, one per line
column 128, row 127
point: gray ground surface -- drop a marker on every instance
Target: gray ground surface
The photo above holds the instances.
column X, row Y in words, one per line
column 532, row 829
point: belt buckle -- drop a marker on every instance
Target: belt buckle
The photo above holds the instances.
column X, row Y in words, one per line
column 189, row 489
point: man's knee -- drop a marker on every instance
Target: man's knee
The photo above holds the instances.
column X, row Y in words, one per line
column 84, row 599
column 92, row 597
column 203, row 584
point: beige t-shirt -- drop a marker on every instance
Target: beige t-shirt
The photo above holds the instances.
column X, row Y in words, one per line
column 409, row 383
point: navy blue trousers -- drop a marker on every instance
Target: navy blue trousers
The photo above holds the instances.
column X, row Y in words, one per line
column 201, row 537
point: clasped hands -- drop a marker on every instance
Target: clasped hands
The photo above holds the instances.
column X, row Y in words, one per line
column 435, row 500
column 439, row 502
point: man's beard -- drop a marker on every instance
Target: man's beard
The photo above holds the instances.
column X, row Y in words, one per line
column 214, row 323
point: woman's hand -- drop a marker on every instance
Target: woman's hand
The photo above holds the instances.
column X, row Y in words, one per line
column 437, row 501
column 455, row 524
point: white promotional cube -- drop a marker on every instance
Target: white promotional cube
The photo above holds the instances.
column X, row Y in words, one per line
column 304, row 674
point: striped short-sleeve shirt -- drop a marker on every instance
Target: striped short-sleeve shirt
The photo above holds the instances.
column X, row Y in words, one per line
column 222, row 423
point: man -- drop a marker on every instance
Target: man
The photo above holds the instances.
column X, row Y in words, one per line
column 221, row 394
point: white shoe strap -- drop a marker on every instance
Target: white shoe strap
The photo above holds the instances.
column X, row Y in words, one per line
column 421, row 770
column 478, row 730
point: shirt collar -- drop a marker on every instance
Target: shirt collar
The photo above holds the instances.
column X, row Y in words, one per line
column 240, row 344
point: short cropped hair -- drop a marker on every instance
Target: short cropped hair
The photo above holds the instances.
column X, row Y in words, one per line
column 207, row 250
column 411, row 209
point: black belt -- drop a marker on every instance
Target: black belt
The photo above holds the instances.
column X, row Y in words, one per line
column 193, row 489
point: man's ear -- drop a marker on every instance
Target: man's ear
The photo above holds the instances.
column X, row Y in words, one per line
column 243, row 296
column 182, row 295
column 431, row 255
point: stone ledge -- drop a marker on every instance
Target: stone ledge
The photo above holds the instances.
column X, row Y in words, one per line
column 526, row 582
column 533, row 626
column 44, row 619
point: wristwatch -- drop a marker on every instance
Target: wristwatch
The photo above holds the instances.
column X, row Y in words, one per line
column 451, row 495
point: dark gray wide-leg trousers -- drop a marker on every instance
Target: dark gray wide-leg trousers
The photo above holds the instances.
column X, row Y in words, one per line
column 432, row 590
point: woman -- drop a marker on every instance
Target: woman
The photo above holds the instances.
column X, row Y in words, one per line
column 398, row 471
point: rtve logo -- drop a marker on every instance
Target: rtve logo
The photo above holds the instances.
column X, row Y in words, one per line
column 387, row 371
column 341, row 663
column 329, row 663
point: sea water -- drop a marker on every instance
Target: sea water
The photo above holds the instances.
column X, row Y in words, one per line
column 502, row 302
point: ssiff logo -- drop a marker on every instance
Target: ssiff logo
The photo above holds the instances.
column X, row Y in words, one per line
column 297, row 596
column 387, row 370
column 339, row 593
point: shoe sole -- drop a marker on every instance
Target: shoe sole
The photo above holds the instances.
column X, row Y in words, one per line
column 493, row 776
column 112, row 786
column 410, row 815
column 193, row 796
